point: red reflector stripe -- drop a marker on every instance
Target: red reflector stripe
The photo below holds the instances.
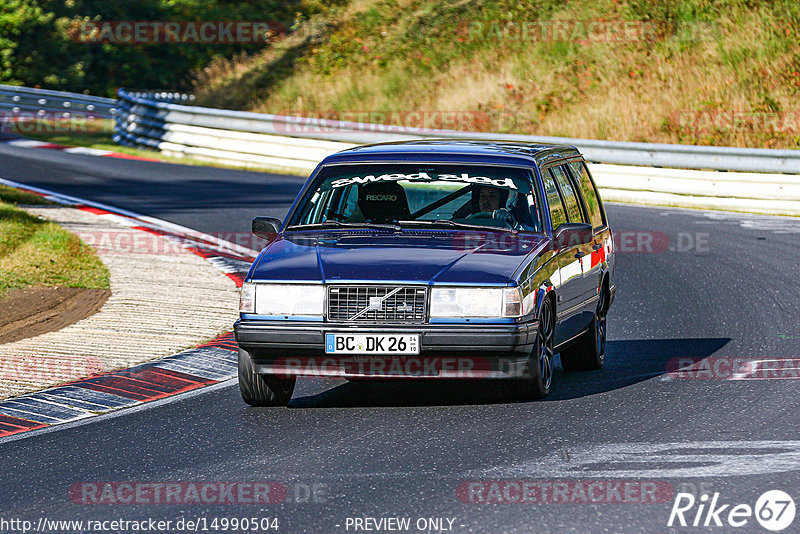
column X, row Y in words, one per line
column 89, row 209
column 122, row 155
column 170, row 381
column 12, row 425
column 22, row 423
column 123, row 387
column 145, row 384
column 225, row 341
column 53, row 146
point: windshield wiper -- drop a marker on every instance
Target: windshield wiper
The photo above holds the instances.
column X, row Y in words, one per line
column 340, row 224
column 453, row 224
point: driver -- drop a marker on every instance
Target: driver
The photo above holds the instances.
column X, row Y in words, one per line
column 489, row 199
column 491, row 204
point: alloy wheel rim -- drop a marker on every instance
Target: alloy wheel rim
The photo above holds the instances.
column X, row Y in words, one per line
column 546, row 348
column 600, row 326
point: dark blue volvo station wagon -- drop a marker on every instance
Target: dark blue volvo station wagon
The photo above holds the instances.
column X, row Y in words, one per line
column 431, row 259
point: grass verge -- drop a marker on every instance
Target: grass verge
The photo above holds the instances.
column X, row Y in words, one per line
column 699, row 72
column 38, row 253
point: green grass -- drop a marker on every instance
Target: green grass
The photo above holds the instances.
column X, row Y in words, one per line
column 38, row 253
column 423, row 55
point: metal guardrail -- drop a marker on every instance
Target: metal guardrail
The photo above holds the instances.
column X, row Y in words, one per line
column 17, row 100
column 170, row 97
column 297, row 143
column 146, row 121
column 161, row 120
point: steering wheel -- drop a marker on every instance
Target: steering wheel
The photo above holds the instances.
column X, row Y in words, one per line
column 500, row 215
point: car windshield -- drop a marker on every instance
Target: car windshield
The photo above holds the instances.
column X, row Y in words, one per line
column 408, row 195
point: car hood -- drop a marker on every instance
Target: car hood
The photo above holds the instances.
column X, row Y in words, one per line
column 442, row 257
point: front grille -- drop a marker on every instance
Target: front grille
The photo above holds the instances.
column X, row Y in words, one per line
column 404, row 304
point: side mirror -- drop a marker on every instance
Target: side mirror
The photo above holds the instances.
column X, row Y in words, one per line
column 266, row 227
column 573, row 234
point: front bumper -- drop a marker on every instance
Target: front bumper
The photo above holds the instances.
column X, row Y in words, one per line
column 446, row 350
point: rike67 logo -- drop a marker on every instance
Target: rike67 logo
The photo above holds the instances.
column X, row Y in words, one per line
column 774, row 510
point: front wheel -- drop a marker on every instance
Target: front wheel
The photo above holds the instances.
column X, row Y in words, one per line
column 262, row 390
column 539, row 371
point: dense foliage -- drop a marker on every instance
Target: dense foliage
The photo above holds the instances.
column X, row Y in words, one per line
column 39, row 45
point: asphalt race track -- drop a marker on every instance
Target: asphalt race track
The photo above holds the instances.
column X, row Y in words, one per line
column 690, row 284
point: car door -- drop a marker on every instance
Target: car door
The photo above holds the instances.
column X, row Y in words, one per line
column 569, row 270
column 601, row 243
column 578, row 314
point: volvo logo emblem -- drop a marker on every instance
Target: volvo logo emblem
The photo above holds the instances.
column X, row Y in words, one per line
column 375, row 304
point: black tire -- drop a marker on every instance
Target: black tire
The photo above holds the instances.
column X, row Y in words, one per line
column 539, row 371
column 589, row 349
column 262, row 390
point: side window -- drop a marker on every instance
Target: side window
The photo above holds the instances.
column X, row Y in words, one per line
column 350, row 199
column 589, row 191
column 557, row 212
column 314, row 207
column 342, row 202
column 574, row 212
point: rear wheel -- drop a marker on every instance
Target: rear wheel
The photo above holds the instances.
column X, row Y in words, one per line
column 262, row 390
column 539, row 371
column 588, row 351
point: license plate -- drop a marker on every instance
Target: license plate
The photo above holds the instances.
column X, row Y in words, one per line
column 336, row 343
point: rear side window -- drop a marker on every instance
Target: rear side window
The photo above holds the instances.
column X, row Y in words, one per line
column 590, row 195
column 574, row 212
column 557, row 212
